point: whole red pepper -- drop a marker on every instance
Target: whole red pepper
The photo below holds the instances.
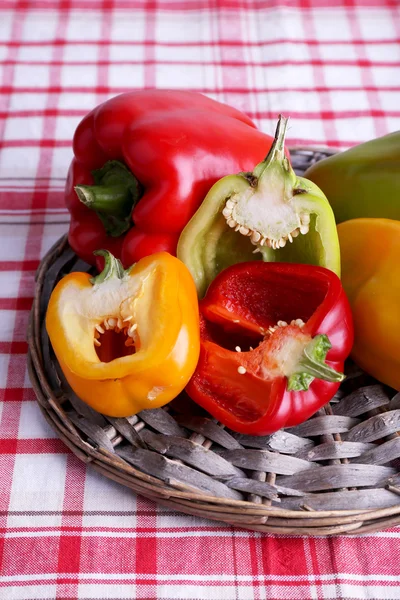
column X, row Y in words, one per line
column 274, row 337
column 167, row 148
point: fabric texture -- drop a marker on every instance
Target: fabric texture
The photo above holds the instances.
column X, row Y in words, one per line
column 333, row 66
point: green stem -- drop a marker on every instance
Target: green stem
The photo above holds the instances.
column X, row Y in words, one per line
column 312, row 365
column 111, row 200
column 277, row 150
column 113, row 197
column 112, row 268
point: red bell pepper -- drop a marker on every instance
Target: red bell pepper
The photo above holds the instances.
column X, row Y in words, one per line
column 148, row 158
column 274, row 337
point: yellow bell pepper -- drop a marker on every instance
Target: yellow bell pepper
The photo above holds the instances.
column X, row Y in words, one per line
column 126, row 340
column 370, row 251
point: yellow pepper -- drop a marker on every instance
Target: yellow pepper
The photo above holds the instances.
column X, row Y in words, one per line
column 126, row 340
column 370, row 251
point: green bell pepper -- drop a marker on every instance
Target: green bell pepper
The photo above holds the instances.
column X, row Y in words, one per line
column 363, row 181
column 269, row 214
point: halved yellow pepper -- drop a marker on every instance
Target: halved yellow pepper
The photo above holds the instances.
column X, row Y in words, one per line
column 126, row 340
column 370, row 252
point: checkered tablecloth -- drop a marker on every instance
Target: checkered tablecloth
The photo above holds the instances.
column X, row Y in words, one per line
column 334, row 66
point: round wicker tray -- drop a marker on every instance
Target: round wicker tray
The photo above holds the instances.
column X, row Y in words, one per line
column 337, row 473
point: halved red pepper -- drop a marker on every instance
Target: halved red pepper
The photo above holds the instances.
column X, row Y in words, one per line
column 274, row 337
column 144, row 162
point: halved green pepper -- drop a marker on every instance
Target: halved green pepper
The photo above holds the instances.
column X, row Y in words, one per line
column 286, row 217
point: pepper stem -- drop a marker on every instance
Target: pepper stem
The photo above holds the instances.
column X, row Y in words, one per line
column 112, row 268
column 312, row 365
column 113, row 197
column 277, row 150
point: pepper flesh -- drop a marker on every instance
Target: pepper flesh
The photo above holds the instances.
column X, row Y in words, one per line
column 127, row 340
column 176, row 144
column 269, row 333
column 286, row 217
column 363, row 181
column 371, row 276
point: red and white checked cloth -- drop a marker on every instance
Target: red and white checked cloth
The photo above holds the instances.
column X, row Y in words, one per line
column 334, row 66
